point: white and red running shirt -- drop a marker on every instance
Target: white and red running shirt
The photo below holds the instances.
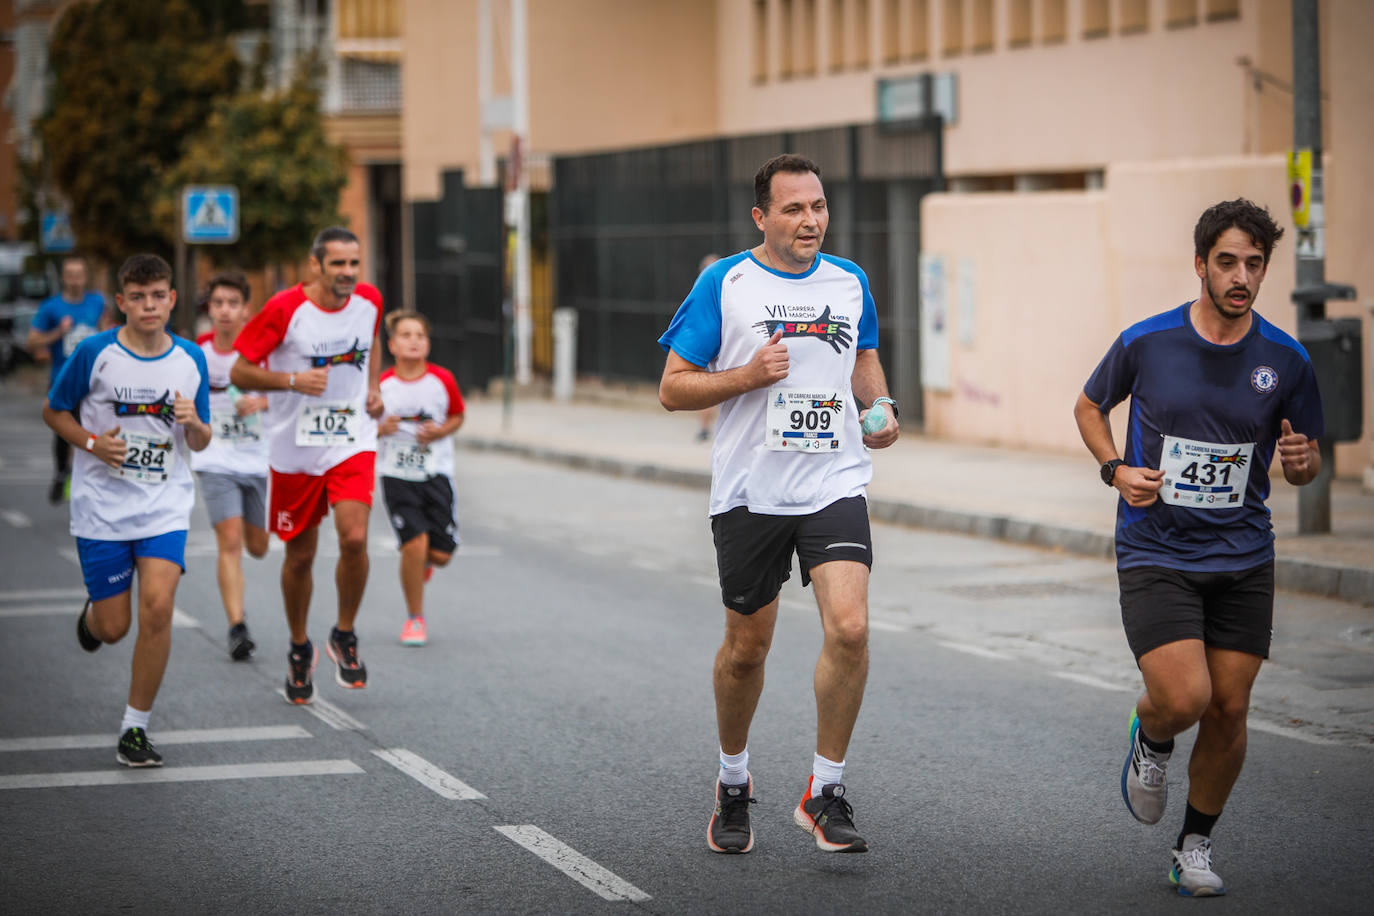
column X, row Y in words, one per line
column 432, row 396
column 240, row 443
column 307, row 434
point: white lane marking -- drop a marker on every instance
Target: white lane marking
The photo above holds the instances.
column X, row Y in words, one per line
column 182, row 736
column 428, row 775
column 1091, row 681
column 45, row 594
column 124, row 777
column 184, row 620
column 885, row 626
column 1270, row 728
column 16, row 518
column 605, row 884
column 69, row 553
column 329, row 714
column 975, row 650
column 478, row 550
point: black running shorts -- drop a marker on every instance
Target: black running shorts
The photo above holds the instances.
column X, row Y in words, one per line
column 419, row 507
column 754, row 552
column 1227, row 610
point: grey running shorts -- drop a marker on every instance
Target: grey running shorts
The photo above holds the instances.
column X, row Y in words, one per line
column 234, row 496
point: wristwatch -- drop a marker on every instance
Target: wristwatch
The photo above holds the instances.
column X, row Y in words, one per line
column 885, row 400
column 1109, row 470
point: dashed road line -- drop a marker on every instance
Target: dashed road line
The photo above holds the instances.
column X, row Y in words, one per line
column 141, row 776
column 183, row 620
column 328, row 713
column 1090, row 681
column 605, row 884
column 428, row 775
column 1269, row 728
column 16, row 518
column 181, row 736
column 885, row 626
column 974, row 650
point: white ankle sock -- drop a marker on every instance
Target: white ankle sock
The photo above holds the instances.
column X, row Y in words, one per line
column 134, row 718
column 734, row 768
column 825, row 772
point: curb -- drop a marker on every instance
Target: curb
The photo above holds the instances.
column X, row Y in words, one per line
column 1347, row 583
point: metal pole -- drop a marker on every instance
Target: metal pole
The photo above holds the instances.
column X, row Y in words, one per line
column 1314, row 500
column 520, row 90
column 486, row 154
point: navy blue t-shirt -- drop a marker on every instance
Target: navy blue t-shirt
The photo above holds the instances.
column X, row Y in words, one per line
column 1184, row 387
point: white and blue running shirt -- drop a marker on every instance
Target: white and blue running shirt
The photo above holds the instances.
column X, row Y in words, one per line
column 826, row 315
column 107, row 385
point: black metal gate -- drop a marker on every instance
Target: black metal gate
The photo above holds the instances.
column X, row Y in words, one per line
column 629, row 228
column 458, row 254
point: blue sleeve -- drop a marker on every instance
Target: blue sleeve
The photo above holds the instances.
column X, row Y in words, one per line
column 694, row 333
column 45, row 319
column 1303, row 406
column 203, row 388
column 73, row 383
column 1113, row 378
column 868, row 321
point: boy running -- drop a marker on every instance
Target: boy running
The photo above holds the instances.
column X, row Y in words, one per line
column 133, row 399
column 233, row 470
column 416, row 460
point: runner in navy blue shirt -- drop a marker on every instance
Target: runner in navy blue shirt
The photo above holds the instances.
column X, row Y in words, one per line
column 1215, row 390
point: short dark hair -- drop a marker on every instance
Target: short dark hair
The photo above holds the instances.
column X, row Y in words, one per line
column 72, row 256
column 395, row 317
column 231, row 279
column 144, row 269
column 332, row 234
column 787, row 162
column 1248, row 217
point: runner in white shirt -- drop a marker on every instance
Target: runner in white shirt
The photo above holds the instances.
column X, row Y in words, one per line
column 424, row 408
column 785, row 339
column 133, row 401
column 233, row 470
column 319, row 341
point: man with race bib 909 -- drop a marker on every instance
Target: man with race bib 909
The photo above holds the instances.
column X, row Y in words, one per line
column 1215, row 390
column 785, row 339
column 320, row 341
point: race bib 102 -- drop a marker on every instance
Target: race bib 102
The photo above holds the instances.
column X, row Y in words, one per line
column 327, row 423
column 804, row 420
column 148, row 459
column 1205, row 475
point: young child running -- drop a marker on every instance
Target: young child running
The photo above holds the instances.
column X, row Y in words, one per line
column 132, row 400
column 423, row 409
column 233, row 470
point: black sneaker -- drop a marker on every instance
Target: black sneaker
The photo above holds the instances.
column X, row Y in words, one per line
column 300, row 683
column 57, row 490
column 729, row 830
column 343, row 651
column 135, row 750
column 83, row 632
column 830, row 819
column 241, row 645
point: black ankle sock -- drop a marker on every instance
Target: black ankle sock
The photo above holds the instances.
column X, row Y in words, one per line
column 1159, row 747
column 1194, row 821
column 302, row 650
column 340, row 635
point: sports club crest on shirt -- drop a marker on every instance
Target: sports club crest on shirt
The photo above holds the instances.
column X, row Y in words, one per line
column 159, row 409
column 355, row 356
column 1264, row 379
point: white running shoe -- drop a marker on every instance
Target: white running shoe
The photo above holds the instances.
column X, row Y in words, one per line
column 1192, row 869
column 1143, row 784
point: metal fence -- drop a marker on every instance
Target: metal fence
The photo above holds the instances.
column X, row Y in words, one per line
column 628, row 229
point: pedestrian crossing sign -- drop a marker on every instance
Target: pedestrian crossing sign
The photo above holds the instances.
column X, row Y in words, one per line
column 58, row 237
column 210, row 214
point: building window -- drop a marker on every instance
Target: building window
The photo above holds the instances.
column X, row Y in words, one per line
column 953, row 43
column 917, row 30
column 983, row 27
column 1096, row 18
column 1135, row 16
column 862, row 53
column 1053, row 21
column 806, row 39
column 1179, row 14
column 1019, row 24
column 760, row 41
column 1219, row 10
column 835, row 23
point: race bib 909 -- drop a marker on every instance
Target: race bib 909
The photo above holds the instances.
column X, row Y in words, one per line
column 804, row 421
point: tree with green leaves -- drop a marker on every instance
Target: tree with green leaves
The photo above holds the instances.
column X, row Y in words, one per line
column 132, row 80
column 273, row 147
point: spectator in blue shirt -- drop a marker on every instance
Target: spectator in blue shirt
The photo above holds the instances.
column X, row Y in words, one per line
column 62, row 322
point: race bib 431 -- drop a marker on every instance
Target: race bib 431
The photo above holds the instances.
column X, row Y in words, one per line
column 1205, row 475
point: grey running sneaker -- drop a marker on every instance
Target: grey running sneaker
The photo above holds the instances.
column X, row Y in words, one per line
column 135, row 750
column 83, row 632
column 241, row 644
column 729, row 830
column 829, row 819
column 1192, row 869
column 1143, row 786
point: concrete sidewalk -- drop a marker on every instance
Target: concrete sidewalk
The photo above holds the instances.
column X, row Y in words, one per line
column 1048, row 500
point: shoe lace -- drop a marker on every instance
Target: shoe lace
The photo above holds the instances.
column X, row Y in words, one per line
column 1199, row 857
column 734, row 809
column 837, row 810
column 138, row 739
column 1148, row 768
column 348, row 649
column 300, row 668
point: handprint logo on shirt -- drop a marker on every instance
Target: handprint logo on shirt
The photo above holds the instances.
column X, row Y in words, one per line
column 832, row 331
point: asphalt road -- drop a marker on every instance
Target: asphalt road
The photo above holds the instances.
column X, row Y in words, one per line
column 552, row 749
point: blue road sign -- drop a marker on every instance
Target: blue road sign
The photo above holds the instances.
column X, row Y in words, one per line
column 58, row 237
column 210, row 214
